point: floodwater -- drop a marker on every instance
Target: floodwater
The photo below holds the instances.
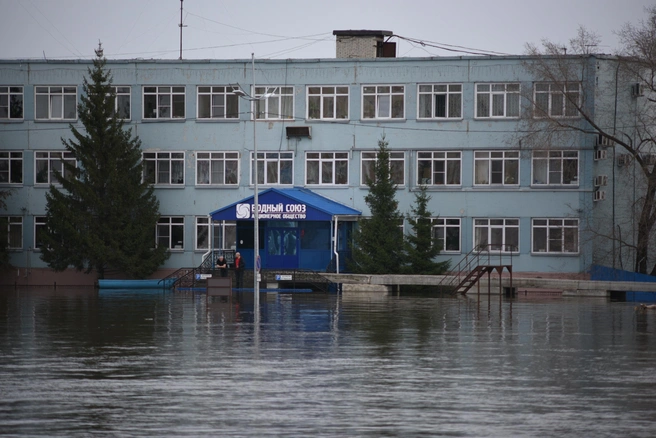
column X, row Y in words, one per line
column 142, row 363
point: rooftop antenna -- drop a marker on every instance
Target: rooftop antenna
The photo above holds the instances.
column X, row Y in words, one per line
column 181, row 26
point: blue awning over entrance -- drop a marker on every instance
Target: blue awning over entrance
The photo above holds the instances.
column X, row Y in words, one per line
column 295, row 204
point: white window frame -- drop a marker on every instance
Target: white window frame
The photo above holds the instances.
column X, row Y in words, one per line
column 53, row 161
column 498, row 233
column 379, row 102
column 224, row 234
column 12, row 102
column 332, row 102
column 217, row 168
column 557, row 235
column 14, row 228
column 444, row 226
column 337, row 161
column 172, row 225
column 272, row 166
column 123, row 101
column 57, row 102
column 549, row 168
column 431, row 97
column 494, row 159
column 502, row 100
column 441, row 164
column 169, row 162
column 278, row 106
column 551, row 99
column 168, row 102
column 396, row 166
column 11, row 167
column 216, row 102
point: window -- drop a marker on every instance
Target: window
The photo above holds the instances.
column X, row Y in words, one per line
column 39, row 231
column 274, row 168
column 440, row 101
column 556, row 236
column 278, row 106
column 169, row 232
column 556, row 168
column 496, row 167
column 557, row 100
column 224, row 234
column 438, row 168
column 383, row 102
column 217, row 102
column 496, row 234
column 164, row 102
column 11, row 103
column 14, row 231
column 217, row 168
column 327, row 168
column 497, row 100
column 328, row 103
column 56, row 103
column 122, row 102
column 11, row 167
column 47, row 163
column 396, row 166
column 446, row 231
column 166, row 168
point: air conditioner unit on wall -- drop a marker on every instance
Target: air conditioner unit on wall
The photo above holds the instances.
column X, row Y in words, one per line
column 600, row 154
column 623, row 160
column 604, row 141
column 600, row 180
column 299, row 131
column 637, row 90
column 599, row 195
column 648, row 159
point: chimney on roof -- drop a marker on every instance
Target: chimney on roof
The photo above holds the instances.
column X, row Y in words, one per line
column 364, row 44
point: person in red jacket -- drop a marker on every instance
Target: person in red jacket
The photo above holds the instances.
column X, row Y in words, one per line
column 240, row 265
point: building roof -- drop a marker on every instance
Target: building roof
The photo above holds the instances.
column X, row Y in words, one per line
column 363, row 33
column 312, row 206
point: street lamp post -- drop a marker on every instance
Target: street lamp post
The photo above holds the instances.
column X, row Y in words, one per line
column 256, row 224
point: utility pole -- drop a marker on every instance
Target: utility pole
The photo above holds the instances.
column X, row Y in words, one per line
column 181, row 26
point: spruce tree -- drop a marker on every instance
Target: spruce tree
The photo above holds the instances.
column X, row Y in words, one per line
column 103, row 217
column 378, row 242
column 420, row 249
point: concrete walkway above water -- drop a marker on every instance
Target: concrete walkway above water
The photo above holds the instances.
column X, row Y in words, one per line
column 355, row 282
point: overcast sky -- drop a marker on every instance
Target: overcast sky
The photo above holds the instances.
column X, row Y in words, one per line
column 233, row 29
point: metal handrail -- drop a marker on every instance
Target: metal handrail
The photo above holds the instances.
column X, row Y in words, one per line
column 480, row 255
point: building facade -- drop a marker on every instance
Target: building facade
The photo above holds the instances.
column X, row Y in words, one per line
column 453, row 124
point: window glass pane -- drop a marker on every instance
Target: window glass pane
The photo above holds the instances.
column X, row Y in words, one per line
column 481, row 168
column 498, row 105
column 312, row 172
column 424, row 106
column 384, row 109
column 314, row 109
column 342, row 107
column 455, row 105
column 397, row 107
column 512, row 105
column 483, row 105
column 56, row 106
column 440, row 105
column 203, row 106
column 326, row 172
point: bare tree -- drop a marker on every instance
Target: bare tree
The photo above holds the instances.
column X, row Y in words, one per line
column 582, row 100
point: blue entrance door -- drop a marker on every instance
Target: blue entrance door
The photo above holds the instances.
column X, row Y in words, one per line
column 282, row 247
